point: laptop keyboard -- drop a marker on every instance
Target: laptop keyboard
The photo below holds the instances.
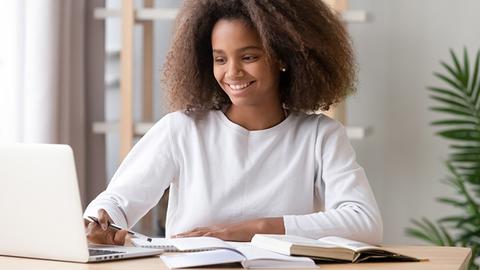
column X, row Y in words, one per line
column 96, row 252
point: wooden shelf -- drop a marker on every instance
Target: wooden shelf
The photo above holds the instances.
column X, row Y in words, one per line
column 144, row 14
column 355, row 16
column 150, row 14
column 358, row 133
column 112, row 81
column 139, row 129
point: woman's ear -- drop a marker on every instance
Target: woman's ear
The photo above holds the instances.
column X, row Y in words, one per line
column 281, row 66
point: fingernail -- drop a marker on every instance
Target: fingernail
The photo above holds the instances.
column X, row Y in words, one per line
column 104, row 227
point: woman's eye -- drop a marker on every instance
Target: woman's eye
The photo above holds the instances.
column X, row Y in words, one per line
column 249, row 58
column 219, row 60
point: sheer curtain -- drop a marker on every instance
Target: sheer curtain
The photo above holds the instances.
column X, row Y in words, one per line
column 42, row 75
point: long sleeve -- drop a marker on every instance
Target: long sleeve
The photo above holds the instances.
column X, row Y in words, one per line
column 350, row 209
column 141, row 179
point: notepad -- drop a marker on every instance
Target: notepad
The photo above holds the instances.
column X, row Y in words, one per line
column 245, row 254
column 188, row 244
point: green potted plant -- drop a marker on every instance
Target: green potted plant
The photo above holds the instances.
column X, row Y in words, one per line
column 459, row 101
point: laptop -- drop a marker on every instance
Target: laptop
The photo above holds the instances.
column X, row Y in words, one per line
column 40, row 209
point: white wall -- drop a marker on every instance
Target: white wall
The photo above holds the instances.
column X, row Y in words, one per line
column 398, row 50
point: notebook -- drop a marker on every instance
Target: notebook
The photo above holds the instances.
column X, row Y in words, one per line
column 244, row 253
column 203, row 251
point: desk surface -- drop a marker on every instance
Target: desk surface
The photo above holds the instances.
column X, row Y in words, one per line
column 439, row 258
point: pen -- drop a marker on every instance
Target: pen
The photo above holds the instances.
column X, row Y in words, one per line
column 134, row 234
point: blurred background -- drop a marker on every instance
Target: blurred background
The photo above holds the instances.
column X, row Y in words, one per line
column 87, row 73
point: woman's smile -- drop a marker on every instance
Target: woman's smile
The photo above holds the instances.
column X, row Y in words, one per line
column 236, row 86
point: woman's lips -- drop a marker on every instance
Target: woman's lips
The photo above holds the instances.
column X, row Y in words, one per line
column 239, row 86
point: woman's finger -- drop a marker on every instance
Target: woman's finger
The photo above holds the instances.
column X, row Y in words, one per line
column 119, row 237
column 103, row 219
column 96, row 235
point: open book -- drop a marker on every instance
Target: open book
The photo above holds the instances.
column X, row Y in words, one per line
column 330, row 248
column 213, row 251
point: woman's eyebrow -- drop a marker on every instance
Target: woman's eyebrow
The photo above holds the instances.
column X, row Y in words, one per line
column 249, row 48
column 239, row 50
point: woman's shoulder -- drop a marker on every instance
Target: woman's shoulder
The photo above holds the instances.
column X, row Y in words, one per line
column 319, row 121
column 181, row 119
column 184, row 116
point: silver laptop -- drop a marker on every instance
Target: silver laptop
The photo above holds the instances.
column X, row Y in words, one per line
column 40, row 209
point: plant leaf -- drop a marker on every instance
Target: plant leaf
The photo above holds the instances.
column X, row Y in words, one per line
column 446, row 236
column 453, row 122
column 456, row 62
column 423, row 227
column 464, row 157
column 446, row 92
column 465, row 146
column 473, row 82
column 421, row 235
column 452, row 111
column 453, row 202
column 450, row 82
column 473, row 179
column 452, row 219
column 461, row 134
column 455, row 73
column 467, row 235
column 466, row 71
column 452, row 103
column 469, row 150
column 434, row 231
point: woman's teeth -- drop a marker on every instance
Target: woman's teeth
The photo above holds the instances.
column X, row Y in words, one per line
column 239, row 86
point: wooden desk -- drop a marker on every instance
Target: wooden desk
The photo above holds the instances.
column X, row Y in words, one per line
column 440, row 258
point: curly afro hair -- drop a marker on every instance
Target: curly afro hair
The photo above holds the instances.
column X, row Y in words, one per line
column 305, row 36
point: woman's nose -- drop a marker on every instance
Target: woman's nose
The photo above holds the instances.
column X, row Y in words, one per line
column 234, row 70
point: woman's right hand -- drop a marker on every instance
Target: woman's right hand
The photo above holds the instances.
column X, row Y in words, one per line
column 100, row 233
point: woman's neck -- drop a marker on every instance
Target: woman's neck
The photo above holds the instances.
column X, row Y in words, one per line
column 256, row 117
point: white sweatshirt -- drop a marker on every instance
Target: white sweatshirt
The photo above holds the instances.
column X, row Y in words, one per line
column 302, row 169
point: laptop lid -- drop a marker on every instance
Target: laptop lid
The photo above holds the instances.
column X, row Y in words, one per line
column 40, row 209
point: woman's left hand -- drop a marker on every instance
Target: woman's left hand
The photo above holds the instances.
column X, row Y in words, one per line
column 241, row 231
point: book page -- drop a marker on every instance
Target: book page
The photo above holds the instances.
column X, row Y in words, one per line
column 346, row 243
column 298, row 240
column 199, row 243
column 202, row 258
column 254, row 253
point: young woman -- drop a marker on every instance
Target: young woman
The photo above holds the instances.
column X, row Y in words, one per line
column 242, row 154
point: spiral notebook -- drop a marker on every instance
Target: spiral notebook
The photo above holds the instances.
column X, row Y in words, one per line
column 244, row 254
column 188, row 244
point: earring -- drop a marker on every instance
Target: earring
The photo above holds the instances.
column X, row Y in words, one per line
column 283, row 69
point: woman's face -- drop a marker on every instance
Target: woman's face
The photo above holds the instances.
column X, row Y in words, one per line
column 240, row 65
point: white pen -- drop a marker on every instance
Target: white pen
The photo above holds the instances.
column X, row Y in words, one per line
column 134, row 234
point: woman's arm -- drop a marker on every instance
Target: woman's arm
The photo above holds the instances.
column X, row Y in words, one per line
column 240, row 231
column 349, row 206
column 140, row 180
